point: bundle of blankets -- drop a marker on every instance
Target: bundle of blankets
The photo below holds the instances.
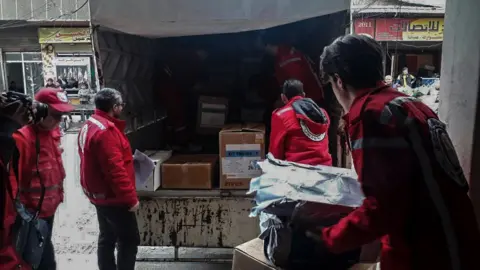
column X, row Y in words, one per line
column 293, row 198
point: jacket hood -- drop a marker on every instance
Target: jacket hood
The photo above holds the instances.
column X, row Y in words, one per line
column 312, row 118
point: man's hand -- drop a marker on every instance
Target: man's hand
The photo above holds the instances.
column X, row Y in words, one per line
column 135, row 207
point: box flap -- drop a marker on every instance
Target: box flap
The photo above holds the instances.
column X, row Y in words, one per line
column 254, row 127
column 159, row 156
column 365, row 266
column 254, row 249
column 249, row 127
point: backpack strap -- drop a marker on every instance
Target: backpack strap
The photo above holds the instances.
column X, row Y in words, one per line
column 42, row 186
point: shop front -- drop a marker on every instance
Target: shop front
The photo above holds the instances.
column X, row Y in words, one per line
column 68, row 58
column 21, row 60
column 414, row 43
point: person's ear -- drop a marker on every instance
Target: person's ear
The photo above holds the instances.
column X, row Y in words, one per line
column 303, row 94
column 284, row 98
column 338, row 81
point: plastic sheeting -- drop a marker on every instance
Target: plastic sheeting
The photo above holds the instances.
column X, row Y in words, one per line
column 170, row 18
column 287, row 181
column 294, row 198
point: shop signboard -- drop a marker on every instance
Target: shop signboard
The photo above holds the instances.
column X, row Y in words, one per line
column 394, row 29
column 64, row 35
column 364, row 27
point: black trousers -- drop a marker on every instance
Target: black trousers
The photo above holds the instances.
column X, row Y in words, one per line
column 118, row 226
column 48, row 257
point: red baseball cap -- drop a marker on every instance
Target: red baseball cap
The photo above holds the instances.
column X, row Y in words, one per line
column 55, row 98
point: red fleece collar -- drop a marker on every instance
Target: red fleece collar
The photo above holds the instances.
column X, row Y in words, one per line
column 120, row 124
column 361, row 95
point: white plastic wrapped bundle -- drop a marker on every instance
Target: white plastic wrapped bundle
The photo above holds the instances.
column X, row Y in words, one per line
column 282, row 181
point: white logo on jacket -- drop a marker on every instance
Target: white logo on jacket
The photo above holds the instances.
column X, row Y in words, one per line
column 82, row 137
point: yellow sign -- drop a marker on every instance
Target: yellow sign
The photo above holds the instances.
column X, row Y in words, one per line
column 428, row 29
column 75, row 101
column 64, row 35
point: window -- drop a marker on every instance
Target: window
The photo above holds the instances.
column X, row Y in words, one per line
column 24, row 72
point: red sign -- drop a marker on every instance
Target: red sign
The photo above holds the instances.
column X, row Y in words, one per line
column 390, row 29
column 365, row 27
column 414, row 29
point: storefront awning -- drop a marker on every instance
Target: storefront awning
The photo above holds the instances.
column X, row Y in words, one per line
column 170, row 18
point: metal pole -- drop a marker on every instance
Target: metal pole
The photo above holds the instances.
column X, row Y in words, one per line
column 393, row 65
column 351, row 20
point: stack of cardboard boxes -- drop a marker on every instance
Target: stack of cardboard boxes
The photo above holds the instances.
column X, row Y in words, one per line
column 240, row 146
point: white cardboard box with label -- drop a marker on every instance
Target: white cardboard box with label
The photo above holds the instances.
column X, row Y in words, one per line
column 240, row 147
column 154, row 181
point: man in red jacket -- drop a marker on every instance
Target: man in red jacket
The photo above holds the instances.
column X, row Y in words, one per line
column 300, row 128
column 12, row 116
column 108, row 179
column 416, row 197
column 44, row 167
column 290, row 63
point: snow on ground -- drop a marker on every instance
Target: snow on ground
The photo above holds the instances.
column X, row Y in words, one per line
column 75, row 231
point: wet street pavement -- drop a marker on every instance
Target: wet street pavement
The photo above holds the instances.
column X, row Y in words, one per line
column 76, row 228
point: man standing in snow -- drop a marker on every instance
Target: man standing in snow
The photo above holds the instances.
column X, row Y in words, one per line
column 108, row 180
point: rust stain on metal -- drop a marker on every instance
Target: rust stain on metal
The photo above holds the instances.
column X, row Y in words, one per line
column 196, row 222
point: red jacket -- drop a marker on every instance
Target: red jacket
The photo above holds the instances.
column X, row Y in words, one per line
column 300, row 133
column 416, row 198
column 50, row 167
column 292, row 64
column 9, row 258
column 106, row 162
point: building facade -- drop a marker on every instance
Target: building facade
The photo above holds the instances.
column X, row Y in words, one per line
column 43, row 39
column 411, row 33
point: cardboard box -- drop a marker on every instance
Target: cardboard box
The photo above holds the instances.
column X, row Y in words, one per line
column 366, row 266
column 249, row 256
column 189, row 172
column 212, row 113
column 154, row 181
column 240, row 147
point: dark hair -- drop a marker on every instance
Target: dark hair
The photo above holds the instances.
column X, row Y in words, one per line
column 357, row 59
column 292, row 88
column 83, row 84
column 107, row 98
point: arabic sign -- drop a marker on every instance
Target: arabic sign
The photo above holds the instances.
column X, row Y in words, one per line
column 64, row 35
column 426, row 29
column 364, row 27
